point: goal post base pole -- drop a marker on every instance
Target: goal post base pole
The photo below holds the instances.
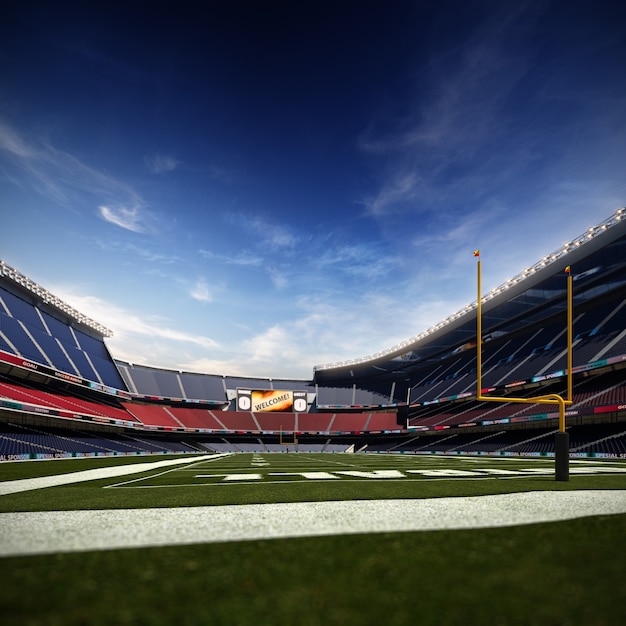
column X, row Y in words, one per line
column 561, row 456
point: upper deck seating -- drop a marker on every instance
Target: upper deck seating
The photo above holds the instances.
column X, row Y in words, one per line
column 36, row 335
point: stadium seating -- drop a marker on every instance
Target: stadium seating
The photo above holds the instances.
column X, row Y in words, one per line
column 36, row 335
column 70, row 374
column 196, row 418
column 152, row 414
column 71, row 404
column 276, row 421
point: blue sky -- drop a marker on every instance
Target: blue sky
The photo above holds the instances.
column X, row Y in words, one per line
column 257, row 188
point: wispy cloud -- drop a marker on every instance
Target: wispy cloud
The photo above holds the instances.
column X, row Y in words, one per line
column 396, row 191
column 266, row 233
column 13, row 144
column 459, row 118
column 127, row 218
column 327, row 331
column 361, row 260
column 201, row 292
column 121, row 247
column 241, row 258
column 279, row 278
column 161, row 163
column 137, row 337
column 71, row 183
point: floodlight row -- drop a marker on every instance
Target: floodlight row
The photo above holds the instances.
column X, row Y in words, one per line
column 49, row 298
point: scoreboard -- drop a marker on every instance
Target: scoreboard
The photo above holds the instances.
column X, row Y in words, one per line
column 259, row 400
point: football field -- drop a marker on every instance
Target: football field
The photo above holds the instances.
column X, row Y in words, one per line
column 312, row 539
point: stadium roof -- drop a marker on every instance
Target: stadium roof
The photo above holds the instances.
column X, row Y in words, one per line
column 596, row 257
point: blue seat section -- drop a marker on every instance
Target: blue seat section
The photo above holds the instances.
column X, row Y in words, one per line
column 4, row 345
column 203, row 387
column 20, row 339
column 153, row 382
column 58, row 329
column 194, row 386
column 364, row 397
column 22, row 310
column 62, row 441
column 108, row 372
column 80, row 360
column 53, row 351
column 101, row 359
column 342, row 396
column 90, row 345
column 168, row 383
column 145, row 381
column 140, row 380
column 54, row 342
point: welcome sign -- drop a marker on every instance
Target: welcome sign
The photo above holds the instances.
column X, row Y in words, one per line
column 261, row 400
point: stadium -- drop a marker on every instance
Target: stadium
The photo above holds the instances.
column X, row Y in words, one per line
column 226, row 466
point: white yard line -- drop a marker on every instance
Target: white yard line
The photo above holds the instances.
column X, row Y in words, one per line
column 27, row 484
column 77, row 531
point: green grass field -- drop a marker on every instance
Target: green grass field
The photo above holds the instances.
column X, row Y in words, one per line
column 565, row 572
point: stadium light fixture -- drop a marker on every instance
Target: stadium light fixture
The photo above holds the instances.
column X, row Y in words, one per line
column 50, row 299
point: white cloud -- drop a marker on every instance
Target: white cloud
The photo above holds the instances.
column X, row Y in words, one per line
column 131, row 328
column 279, row 279
column 266, row 233
column 126, row 218
column 68, row 181
column 161, row 164
column 201, row 291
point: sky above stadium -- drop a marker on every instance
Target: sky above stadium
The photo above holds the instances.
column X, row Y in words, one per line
column 255, row 188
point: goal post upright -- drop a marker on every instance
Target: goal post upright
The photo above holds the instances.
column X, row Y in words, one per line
column 287, row 443
column 561, row 447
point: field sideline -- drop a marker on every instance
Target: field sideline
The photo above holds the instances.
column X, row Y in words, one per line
column 343, row 529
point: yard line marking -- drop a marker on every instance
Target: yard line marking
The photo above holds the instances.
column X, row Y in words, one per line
column 28, row 484
column 78, row 531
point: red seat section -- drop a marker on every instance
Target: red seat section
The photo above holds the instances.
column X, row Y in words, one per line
column 349, row 422
column 314, row 422
column 383, row 421
column 238, row 420
column 152, row 414
column 196, row 418
column 64, row 403
column 276, row 421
